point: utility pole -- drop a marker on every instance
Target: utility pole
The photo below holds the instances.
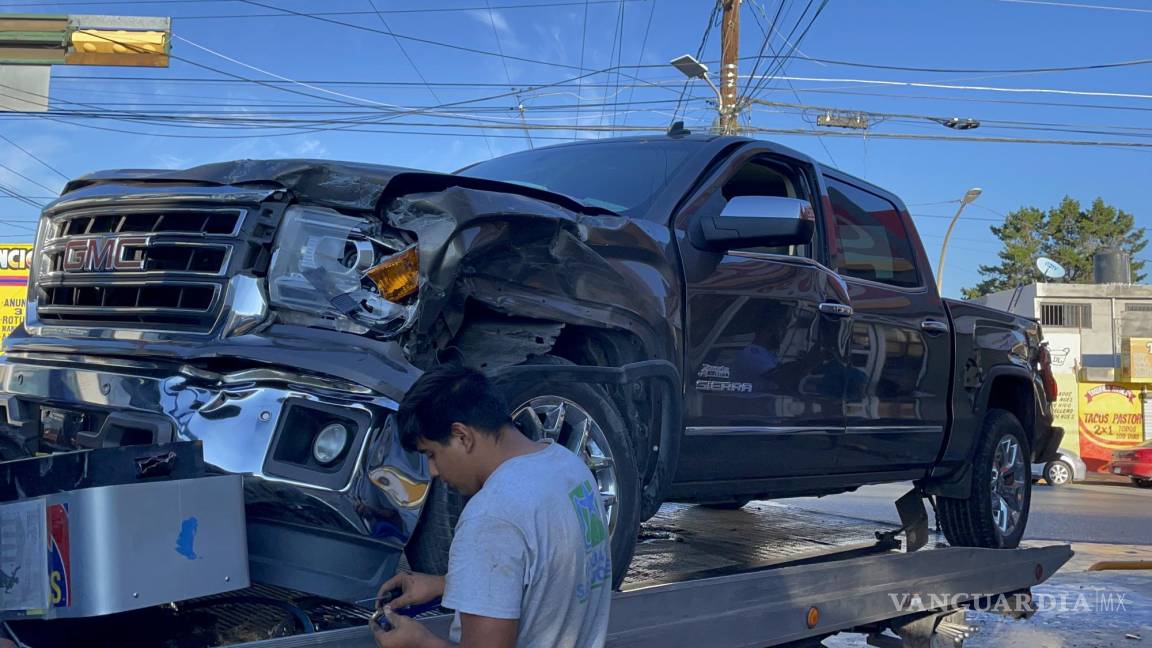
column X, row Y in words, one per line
column 729, row 77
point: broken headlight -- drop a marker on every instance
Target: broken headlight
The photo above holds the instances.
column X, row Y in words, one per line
column 340, row 271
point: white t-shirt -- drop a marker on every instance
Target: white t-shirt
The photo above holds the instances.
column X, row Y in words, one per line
column 533, row 545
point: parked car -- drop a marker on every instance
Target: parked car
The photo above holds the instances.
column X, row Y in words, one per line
column 703, row 319
column 1134, row 463
column 1066, row 468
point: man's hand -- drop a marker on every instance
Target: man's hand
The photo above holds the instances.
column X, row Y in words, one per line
column 414, row 589
column 405, row 633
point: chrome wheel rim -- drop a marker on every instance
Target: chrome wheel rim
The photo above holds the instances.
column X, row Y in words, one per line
column 1058, row 474
column 1008, row 483
column 572, row 426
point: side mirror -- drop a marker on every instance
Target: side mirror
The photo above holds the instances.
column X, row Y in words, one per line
column 759, row 221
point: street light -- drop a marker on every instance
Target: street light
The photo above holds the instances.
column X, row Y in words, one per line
column 693, row 69
column 971, row 195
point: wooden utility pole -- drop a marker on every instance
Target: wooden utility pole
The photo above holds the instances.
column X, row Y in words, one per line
column 729, row 78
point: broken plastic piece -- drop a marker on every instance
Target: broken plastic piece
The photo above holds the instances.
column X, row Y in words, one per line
column 397, row 277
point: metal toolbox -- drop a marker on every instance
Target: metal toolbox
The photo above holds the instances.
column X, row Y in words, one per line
column 111, row 548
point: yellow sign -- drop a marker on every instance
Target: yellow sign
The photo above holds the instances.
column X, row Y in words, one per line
column 1139, row 360
column 1111, row 417
column 1066, row 409
column 14, row 261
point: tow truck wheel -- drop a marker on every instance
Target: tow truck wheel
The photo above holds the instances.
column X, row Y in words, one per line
column 582, row 418
column 995, row 513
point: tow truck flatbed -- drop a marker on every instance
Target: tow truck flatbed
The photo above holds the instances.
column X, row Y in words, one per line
column 775, row 575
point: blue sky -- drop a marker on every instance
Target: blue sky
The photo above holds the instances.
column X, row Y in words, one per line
column 297, row 58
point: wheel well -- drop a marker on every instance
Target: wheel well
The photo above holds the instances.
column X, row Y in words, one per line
column 1014, row 394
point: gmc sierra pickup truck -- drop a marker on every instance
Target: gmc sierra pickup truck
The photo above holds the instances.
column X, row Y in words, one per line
column 702, row 319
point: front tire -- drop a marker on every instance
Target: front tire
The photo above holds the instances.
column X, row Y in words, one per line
column 583, row 418
column 995, row 514
column 1058, row 473
column 1141, row 483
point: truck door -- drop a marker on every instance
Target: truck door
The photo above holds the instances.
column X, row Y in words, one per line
column 766, row 340
column 899, row 366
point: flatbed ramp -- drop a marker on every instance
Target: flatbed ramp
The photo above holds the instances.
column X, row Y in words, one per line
column 773, row 575
column 766, row 575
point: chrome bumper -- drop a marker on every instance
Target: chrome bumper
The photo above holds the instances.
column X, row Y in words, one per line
column 369, row 502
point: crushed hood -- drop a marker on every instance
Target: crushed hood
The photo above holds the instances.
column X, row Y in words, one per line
column 341, row 185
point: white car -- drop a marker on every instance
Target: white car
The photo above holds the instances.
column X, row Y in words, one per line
column 1066, row 468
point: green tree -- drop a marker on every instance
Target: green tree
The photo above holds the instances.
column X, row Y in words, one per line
column 1067, row 234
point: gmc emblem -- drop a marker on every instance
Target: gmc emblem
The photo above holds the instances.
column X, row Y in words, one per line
column 104, row 254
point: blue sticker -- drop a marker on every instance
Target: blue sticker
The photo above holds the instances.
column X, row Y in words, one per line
column 185, row 542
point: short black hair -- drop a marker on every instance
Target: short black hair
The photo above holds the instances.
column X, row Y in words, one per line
column 449, row 394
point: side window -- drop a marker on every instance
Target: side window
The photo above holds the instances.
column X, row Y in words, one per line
column 769, row 178
column 872, row 237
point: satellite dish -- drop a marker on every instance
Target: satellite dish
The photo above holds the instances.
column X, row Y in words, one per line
column 1050, row 269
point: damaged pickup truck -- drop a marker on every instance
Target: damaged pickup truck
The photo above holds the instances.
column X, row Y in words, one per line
column 703, row 319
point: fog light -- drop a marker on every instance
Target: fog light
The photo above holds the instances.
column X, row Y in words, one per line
column 330, row 443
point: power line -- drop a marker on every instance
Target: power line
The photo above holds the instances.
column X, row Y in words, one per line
column 954, row 138
column 699, row 53
column 903, row 68
column 34, row 157
column 532, row 5
column 640, row 58
column 918, row 84
column 1079, row 6
column 26, row 178
column 583, row 44
column 784, row 60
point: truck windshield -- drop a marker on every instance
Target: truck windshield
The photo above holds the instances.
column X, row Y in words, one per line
column 623, row 177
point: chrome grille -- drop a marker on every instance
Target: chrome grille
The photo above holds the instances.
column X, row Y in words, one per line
column 140, row 268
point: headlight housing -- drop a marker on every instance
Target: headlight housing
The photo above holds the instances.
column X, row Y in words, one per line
column 342, row 272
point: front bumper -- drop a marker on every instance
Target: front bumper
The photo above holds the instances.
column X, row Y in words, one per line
column 335, row 531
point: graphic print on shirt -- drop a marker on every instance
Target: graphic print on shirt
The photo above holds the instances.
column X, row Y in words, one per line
column 597, row 559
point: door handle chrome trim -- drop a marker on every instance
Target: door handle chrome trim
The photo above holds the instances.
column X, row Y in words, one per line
column 836, row 310
column 933, row 327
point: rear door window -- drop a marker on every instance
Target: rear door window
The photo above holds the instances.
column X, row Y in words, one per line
column 874, row 243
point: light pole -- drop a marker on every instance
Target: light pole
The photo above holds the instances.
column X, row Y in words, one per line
column 971, row 195
column 693, row 69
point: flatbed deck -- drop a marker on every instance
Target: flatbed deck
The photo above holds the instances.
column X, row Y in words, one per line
column 748, row 577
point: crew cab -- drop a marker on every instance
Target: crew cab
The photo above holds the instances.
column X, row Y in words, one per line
column 702, row 319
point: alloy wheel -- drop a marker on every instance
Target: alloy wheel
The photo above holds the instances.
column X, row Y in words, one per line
column 567, row 423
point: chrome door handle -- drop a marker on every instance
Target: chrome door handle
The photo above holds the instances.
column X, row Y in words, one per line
column 836, row 310
column 933, row 327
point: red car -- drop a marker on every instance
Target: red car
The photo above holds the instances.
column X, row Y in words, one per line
column 1135, row 462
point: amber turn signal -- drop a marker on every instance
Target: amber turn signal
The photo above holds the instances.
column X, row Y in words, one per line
column 398, row 276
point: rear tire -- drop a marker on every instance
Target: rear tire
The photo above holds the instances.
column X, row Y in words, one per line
column 1142, row 483
column 995, row 514
column 1058, row 473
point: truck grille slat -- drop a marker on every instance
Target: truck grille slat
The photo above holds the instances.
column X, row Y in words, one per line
column 173, row 274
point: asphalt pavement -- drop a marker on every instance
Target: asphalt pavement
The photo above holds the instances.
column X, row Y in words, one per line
column 1100, row 510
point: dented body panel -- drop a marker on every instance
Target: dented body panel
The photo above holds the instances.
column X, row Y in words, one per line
column 247, row 304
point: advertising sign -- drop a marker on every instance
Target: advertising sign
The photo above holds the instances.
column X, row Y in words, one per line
column 1139, row 360
column 1066, row 409
column 1065, row 351
column 14, row 261
column 1111, row 417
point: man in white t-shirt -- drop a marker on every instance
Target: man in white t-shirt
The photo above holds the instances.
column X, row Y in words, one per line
column 530, row 563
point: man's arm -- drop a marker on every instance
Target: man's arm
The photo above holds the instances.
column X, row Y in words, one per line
column 475, row 632
column 484, row 632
